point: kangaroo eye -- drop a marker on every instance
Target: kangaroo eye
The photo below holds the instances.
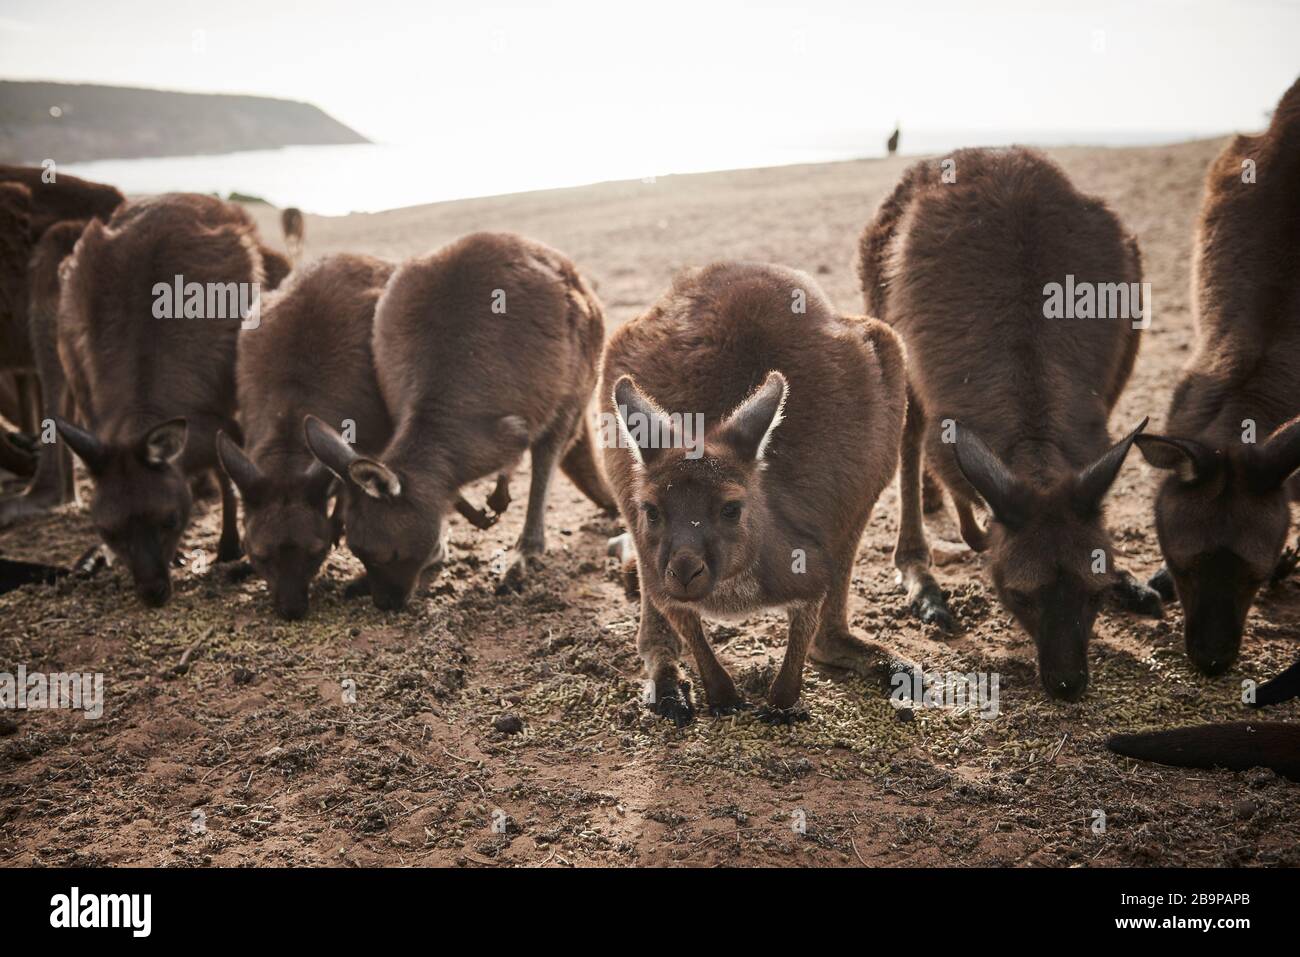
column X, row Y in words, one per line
column 731, row 511
column 651, row 512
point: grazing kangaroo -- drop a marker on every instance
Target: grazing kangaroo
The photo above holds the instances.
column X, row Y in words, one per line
column 483, row 349
column 1232, row 437
column 1009, row 406
column 154, row 388
column 291, row 223
column 311, row 355
column 1236, row 745
column 760, row 503
column 53, row 215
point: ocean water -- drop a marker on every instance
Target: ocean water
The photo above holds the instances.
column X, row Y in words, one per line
column 336, row 180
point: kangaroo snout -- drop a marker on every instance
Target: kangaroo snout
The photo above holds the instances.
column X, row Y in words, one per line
column 154, row 592
column 1065, row 686
column 687, row 575
column 291, row 603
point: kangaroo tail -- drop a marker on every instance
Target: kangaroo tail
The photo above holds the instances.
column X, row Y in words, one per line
column 1236, row 746
column 1282, row 688
column 580, row 465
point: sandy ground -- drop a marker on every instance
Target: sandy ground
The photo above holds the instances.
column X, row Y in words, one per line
column 254, row 739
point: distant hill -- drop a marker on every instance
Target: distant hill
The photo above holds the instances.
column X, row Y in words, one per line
column 73, row 123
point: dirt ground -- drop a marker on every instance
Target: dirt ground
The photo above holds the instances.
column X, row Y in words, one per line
column 256, row 736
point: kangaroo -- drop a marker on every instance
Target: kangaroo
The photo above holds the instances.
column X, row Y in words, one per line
column 16, row 239
column 764, row 506
column 1232, row 437
column 153, row 388
column 1236, row 745
column 54, row 211
column 291, row 223
column 1009, row 406
column 483, row 349
column 288, row 530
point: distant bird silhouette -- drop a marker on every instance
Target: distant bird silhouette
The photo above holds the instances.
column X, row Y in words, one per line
column 892, row 143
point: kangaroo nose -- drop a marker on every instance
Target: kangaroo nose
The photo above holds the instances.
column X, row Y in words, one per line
column 155, row 594
column 686, row 568
column 1070, row 688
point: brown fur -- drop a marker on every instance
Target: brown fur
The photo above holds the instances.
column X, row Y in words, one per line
column 958, row 270
column 153, row 392
column 1222, row 513
column 68, row 197
column 24, row 310
column 720, row 335
column 311, row 355
column 469, row 390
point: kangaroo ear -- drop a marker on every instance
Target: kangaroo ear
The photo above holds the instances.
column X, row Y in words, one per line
column 1190, row 460
column 163, row 444
column 646, row 428
column 89, row 449
column 328, row 446
column 1274, row 461
column 318, row 480
column 375, row 478
column 241, row 469
column 749, row 428
column 1004, row 494
column 1093, row 482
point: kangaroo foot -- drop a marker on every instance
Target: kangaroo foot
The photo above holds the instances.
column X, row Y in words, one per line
column 518, row 571
column 843, row 651
column 672, row 700
column 229, row 550
column 925, row 600
column 1128, row 594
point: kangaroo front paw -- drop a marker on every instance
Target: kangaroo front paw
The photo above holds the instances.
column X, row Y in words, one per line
column 357, row 588
column 770, row 714
column 1129, row 594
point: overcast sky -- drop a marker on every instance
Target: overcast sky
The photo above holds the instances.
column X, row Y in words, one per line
column 780, row 71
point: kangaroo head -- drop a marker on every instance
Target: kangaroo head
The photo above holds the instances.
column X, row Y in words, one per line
column 1222, row 516
column 287, row 530
column 394, row 531
column 141, row 503
column 702, row 514
column 1049, row 553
